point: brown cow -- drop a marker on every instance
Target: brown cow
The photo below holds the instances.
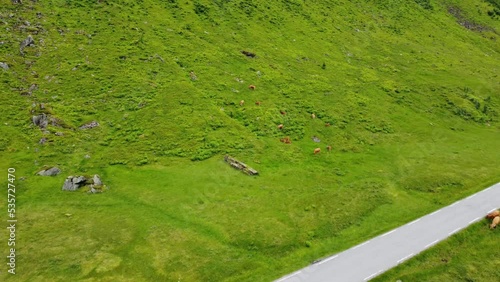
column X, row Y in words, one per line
column 495, row 222
column 317, row 151
column 282, row 112
column 242, row 102
column 252, row 87
column 329, row 148
column 258, row 103
column 327, row 124
column 286, row 140
column 493, row 214
column 280, row 126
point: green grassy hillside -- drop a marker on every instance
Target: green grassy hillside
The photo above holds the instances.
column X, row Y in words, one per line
column 409, row 89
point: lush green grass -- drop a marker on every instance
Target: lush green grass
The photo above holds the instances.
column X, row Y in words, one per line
column 411, row 96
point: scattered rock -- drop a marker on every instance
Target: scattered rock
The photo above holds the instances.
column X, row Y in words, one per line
column 26, row 42
column 17, row 1
column 42, row 141
column 41, row 121
column 53, row 171
column 248, row 54
column 316, row 139
column 39, row 15
column 59, row 134
column 32, row 88
column 193, row 76
column 97, row 180
column 87, row 157
column 72, row 183
column 89, row 125
column 239, row 165
column 93, row 190
column 4, row 66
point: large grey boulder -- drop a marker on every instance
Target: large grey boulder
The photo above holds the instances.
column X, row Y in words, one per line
column 72, row 183
column 53, row 171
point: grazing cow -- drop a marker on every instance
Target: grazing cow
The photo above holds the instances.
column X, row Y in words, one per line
column 242, row 102
column 286, row 140
column 329, row 148
column 252, row 87
column 495, row 222
column 317, row 151
column 258, row 103
column 327, row 124
column 282, row 112
column 280, row 126
column 493, row 214
column 313, row 115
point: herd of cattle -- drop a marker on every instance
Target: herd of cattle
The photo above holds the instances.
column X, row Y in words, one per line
column 287, row 139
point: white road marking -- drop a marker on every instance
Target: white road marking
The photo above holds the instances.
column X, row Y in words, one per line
column 328, row 259
column 471, row 196
column 492, row 210
column 388, row 233
column 405, row 258
column 474, row 220
column 288, row 276
column 453, row 204
column 435, row 212
column 414, row 222
column 431, row 244
column 361, row 245
column 373, row 275
column 454, row 231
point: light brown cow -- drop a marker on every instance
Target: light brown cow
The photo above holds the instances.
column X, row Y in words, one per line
column 242, row 102
column 317, row 151
column 313, row 115
column 286, row 140
column 252, row 87
column 495, row 222
column 280, row 126
column 493, row 214
column 327, row 124
column 329, row 148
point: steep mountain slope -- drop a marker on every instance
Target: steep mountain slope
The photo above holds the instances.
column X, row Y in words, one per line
column 405, row 92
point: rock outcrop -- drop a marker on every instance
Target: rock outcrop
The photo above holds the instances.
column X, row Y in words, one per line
column 94, row 183
column 41, row 121
column 72, row 183
column 53, row 171
column 89, row 125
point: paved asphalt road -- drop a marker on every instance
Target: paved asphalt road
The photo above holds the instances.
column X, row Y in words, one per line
column 373, row 257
